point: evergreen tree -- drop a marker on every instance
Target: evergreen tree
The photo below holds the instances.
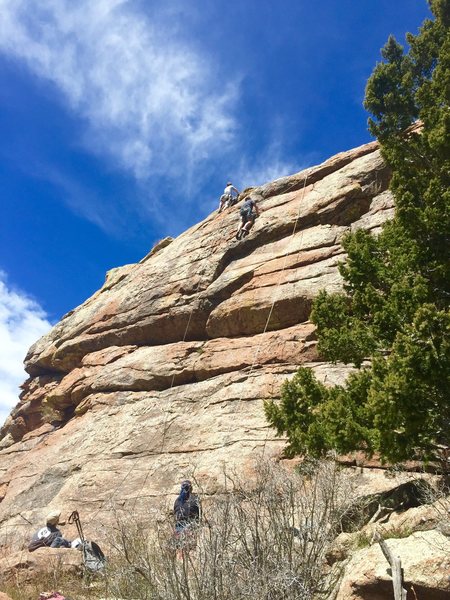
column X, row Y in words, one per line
column 394, row 309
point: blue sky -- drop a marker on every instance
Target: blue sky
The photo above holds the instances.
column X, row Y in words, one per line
column 121, row 121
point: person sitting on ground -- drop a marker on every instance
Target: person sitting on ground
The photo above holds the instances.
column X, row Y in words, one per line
column 229, row 196
column 186, row 508
column 49, row 536
column 248, row 211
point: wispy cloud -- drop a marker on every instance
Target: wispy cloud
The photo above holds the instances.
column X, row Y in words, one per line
column 22, row 322
column 83, row 202
column 269, row 165
column 151, row 101
column 266, row 170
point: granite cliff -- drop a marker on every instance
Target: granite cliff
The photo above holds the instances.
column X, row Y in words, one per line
column 163, row 371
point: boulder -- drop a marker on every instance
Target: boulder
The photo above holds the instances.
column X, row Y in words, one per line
column 23, row 566
column 425, row 560
column 380, row 506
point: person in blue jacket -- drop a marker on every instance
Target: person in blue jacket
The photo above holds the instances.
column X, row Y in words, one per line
column 186, row 508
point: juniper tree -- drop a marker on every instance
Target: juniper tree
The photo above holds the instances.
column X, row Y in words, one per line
column 394, row 309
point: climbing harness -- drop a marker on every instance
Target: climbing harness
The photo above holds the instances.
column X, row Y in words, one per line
column 226, row 201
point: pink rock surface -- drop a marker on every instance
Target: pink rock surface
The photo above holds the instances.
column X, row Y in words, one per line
column 162, row 373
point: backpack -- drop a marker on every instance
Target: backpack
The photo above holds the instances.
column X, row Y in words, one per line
column 93, row 558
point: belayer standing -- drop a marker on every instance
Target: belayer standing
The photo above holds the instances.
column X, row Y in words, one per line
column 248, row 211
column 229, row 197
column 49, row 536
column 186, row 510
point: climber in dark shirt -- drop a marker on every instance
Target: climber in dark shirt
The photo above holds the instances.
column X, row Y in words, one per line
column 248, row 212
column 186, row 508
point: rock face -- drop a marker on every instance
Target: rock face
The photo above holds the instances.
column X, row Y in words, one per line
column 162, row 373
column 425, row 558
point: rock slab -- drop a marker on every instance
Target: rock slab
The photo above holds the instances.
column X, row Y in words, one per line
column 425, row 560
column 162, row 373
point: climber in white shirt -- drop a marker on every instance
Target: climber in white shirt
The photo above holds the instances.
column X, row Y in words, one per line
column 229, row 197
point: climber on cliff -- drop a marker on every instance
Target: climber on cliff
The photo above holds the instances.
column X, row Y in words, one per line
column 229, row 196
column 248, row 211
column 186, row 510
column 50, row 536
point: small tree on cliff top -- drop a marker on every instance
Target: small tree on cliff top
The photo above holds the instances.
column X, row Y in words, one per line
column 395, row 305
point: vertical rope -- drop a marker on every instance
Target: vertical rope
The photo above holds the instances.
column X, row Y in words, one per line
column 254, row 362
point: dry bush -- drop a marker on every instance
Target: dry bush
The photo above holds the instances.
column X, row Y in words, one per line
column 267, row 539
column 439, row 500
column 25, row 585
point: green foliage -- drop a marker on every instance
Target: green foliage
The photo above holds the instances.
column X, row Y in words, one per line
column 409, row 394
column 394, row 310
column 319, row 418
column 342, row 336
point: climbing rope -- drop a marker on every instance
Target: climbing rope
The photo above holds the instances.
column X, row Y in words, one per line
column 276, row 292
column 133, row 465
column 269, row 316
column 254, row 362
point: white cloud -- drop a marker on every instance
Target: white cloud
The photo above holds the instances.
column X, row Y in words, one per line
column 151, row 101
column 83, row 201
column 262, row 172
column 22, row 322
column 270, row 165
